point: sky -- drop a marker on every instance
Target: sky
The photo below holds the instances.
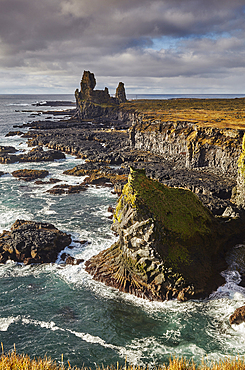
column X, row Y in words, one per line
column 153, row 46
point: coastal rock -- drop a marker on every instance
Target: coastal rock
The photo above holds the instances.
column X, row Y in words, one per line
column 35, row 155
column 67, row 189
column 54, row 103
column 178, row 150
column 50, row 181
column 88, row 93
column 100, row 176
column 170, row 245
column 14, row 133
column 7, row 149
column 29, row 175
column 120, row 93
column 238, row 316
column 73, row 261
column 192, row 146
column 32, row 242
column 97, row 103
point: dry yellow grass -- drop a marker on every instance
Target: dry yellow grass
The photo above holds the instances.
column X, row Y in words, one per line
column 14, row 361
column 220, row 113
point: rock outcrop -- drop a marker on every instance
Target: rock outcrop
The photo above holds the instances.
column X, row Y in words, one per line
column 97, row 103
column 189, row 145
column 32, row 242
column 170, row 245
column 153, row 135
column 238, row 316
column 29, row 175
column 7, row 149
column 120, row 93
column 35, row 155
column 67, row 189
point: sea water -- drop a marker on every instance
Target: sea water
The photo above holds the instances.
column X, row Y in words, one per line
column 55, row 310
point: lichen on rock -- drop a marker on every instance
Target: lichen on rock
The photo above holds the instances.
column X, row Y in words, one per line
column 170, row 245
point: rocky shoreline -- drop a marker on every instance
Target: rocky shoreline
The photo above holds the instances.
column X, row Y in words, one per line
column 108, row 144
column 113, row 136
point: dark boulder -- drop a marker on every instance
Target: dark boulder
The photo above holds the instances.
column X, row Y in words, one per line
column 67, row 189
column 32, row 242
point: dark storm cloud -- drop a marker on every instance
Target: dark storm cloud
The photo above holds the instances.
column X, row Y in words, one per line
column 134, row 38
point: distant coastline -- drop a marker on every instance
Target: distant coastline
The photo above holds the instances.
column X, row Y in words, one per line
column 184, row 96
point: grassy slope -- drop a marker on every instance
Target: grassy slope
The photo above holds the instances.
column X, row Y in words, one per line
column 219, row 113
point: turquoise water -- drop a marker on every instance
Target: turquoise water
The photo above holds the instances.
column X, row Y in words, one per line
column 53, row 310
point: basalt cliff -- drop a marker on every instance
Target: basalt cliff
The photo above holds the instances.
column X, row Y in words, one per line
column 199, row 142
column 170, row 244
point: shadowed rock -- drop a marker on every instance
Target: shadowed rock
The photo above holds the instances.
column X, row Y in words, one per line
column 35, row 155
column 32, row 242
column 7, row 149
column 67, row 189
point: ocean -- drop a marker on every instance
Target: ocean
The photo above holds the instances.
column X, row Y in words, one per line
column 55, row 310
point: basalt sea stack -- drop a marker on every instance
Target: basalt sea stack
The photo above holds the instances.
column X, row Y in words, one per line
column 170, row 245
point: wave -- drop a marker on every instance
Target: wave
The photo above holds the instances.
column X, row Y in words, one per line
column 18, row 104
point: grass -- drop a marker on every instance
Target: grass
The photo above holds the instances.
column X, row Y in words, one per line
column 219, row 113
column 14, row 361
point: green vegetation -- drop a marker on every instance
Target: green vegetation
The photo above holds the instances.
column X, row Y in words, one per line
column 13, row 361
column 178, row 212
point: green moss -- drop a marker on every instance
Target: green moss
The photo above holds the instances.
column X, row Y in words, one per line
column 181, row 217
column 176, row 209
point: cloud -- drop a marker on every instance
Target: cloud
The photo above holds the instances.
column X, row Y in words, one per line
column 159, row 39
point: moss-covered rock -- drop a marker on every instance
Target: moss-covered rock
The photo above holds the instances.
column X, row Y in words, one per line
column 169, row 244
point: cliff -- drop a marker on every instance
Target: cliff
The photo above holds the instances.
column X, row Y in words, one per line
column 170, row 245
column 201, row 135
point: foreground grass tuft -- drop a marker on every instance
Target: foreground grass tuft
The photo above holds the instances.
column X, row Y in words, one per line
column 14, row 361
